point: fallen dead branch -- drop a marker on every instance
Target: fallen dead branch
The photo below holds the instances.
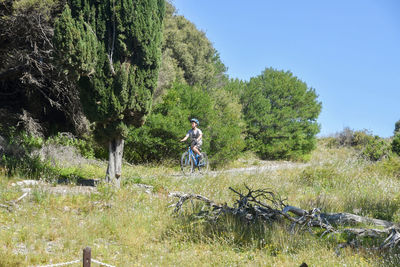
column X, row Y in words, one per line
column 266, row 206
column 10, row 205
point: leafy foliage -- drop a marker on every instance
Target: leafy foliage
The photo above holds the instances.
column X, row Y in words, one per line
column 281, row 113
column 31, row 86
column 220, row 121
column 352, row 138
column 114, row 58
column 396, row 143
column 370, row 146
column 159, row 137
column 187, row 56
column 226, row 130
column 113, row 50
column 376, row 149
column 86, row 148
column 397, row 127
column 16, row 156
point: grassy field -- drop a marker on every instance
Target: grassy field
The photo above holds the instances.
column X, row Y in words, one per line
column 130, row 227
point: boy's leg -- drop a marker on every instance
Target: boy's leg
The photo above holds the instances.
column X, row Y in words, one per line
column 196, row 150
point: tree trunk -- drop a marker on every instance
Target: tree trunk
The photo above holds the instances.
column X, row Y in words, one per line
column 114, row 169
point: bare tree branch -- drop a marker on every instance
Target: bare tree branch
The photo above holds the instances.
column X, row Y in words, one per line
column 268, row 207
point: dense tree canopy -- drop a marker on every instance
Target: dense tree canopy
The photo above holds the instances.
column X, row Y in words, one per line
column 220, row 120
column 32, row 91
column 188, row 56
column 281, row 113
column 104, row 61
column 113, row 50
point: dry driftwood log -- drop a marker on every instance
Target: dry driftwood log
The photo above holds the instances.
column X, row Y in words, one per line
column 267, row 206
column 12, row 203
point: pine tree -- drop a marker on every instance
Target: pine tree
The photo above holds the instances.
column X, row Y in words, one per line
column 281, row 115
column 112, row 49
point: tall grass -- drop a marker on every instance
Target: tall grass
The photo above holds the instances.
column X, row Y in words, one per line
column 128, row 227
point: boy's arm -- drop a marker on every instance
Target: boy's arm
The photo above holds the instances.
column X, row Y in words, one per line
column 185, row 138
column 200, row 136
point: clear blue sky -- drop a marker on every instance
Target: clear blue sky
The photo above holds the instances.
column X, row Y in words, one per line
column 348, row 51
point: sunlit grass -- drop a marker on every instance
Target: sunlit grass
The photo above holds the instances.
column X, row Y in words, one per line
column 129, row 227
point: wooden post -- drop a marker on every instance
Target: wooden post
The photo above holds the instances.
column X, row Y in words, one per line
column 87, row 257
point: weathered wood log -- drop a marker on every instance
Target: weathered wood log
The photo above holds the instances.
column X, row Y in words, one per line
column 267, row 206
column 12, row 203
column 341, row 218
column 184, row 197
column 348, row 218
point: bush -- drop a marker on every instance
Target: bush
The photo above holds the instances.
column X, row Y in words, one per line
column 85, row 147
column 225, row 132
column 351, row 138
column 345, row 137
column 396, row 143
column 362, row 138
column 23, row 156
column 376, row 149
column 17, row 158
column 372, row 147
column 397, row 127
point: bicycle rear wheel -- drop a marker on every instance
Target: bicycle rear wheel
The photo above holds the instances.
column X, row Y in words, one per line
column 186, row 163
column 203, row 164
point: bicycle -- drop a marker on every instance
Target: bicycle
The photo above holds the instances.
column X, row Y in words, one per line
column 190, row 161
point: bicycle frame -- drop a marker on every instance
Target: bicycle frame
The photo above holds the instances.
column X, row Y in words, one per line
column 192, row 155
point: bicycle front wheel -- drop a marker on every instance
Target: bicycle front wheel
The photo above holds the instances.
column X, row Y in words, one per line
column 186, row 164
column 203, row 164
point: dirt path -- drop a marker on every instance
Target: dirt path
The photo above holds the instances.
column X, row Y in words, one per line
column 263, row 166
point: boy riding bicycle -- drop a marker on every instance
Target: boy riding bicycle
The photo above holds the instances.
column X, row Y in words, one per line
column 196, row 136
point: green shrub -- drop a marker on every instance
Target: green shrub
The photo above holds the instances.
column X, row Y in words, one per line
column 351, row 138
column 85, row 147
column 26, row 166
column 329, row 142
column 396, row 143
column 18, row 159
column 376, row 149
column 362, row 138
column 397, row 127
column 225, row 131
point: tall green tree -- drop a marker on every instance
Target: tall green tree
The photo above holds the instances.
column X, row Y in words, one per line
column 219, row 113
column 31, row 88
column 112, row 48
column 188, row 56
column 169, row 122
column 281, row 115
